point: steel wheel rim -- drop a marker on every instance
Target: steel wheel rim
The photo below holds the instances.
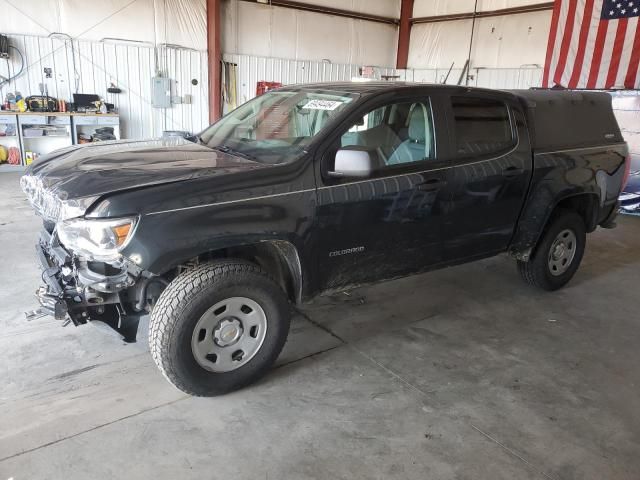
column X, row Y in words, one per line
column 229, row 334
column 562, row 252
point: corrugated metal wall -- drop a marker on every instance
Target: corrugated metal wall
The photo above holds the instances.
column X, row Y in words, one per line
column 525, row 77
column 253, row 69
column 502, row 78
column 91, row 67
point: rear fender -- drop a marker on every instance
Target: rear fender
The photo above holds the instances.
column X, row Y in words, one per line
column 537, row 213
column 587, row 180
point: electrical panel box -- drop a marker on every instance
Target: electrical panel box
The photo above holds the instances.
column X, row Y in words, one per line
column 4, row 47
column 161, row 92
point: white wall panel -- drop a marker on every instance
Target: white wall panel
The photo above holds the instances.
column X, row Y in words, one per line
column 263, row 30
column 130, row 67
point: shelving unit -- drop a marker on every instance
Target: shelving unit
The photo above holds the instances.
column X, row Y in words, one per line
column 9, row 134
column 87, row 123
column 42, row 133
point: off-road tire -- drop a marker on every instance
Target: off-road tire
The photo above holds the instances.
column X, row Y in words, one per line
column 184, row 301
column 536, row 271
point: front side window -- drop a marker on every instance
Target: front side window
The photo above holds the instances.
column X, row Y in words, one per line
column 482, row 126
column 277, row 126
column 394, row 134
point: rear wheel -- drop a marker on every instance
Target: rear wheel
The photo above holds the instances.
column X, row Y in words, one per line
column 218, row 327
column 559, row 253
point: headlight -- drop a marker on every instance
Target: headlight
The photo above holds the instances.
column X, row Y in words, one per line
column 96, row 239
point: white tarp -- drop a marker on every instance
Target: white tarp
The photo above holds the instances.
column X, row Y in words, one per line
column 509, row 41
column 177, row 22
column 383, row 8
column 430, row 8
column 263, row 30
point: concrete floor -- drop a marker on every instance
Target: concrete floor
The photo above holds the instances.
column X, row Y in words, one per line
column 464, row 373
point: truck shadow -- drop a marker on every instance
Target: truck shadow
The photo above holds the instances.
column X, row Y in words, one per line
column 485, row 293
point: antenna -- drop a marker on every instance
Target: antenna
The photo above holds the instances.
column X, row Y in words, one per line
column 447, row 76
column 464, row 71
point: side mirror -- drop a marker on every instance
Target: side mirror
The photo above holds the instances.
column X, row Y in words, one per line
column 352, row 163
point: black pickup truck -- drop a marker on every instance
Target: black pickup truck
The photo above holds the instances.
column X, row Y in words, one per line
column 309, row 189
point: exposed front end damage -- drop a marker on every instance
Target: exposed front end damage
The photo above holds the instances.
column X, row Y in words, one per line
column 79, row 291
column 80, row 286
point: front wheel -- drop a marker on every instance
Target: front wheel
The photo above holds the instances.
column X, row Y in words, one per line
column 218, row 327
column 559, row 253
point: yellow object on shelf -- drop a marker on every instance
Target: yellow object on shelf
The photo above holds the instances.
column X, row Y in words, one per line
column 4, row 154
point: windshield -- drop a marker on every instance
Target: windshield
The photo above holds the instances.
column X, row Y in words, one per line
column 277, row 126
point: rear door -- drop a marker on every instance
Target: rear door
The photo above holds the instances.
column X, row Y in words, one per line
column 490, row 173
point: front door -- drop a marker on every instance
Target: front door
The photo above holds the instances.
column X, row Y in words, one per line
column 390, row 222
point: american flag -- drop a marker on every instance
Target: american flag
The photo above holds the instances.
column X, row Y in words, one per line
column 593, row 44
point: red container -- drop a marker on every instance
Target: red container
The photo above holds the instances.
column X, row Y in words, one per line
column 263, row 87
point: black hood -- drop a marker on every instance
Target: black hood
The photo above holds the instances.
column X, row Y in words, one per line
column 107, row 167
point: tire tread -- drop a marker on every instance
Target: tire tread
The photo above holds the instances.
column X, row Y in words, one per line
column 534, row 271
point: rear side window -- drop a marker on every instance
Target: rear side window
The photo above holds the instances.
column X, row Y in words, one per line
column 482, row 126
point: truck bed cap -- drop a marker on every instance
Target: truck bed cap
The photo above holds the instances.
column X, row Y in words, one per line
column 565, row 119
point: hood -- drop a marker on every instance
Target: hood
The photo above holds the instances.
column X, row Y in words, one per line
column 73, row 178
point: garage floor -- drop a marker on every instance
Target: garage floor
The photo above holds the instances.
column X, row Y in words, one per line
column 461, row 373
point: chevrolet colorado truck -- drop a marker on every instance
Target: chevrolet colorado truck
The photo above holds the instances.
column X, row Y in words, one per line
column 316, row 188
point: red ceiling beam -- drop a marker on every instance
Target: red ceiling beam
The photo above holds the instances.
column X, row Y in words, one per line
column 308, row 7
column 215, row 57
column 404, row 33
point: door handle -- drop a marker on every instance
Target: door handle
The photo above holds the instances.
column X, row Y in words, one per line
column 512, row 172
column 431, row 185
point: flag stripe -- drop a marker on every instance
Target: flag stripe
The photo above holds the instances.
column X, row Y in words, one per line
column 607, row 51
column 582, row 45
column 566, row 41
column 597, row 54
column 591, row 43
column 625, row 54
column 551, row 43
column 618, row 43
column 631, row 79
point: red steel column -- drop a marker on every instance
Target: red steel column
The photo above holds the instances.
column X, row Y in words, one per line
column 404, row 33
column 215, row 57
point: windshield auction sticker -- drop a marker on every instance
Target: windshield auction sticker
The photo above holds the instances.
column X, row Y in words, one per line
column 322, row 105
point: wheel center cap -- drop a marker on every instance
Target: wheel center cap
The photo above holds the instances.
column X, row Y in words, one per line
column 228, row 332
column 558, row 251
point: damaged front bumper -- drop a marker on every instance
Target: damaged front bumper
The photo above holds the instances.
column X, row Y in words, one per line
column 79, row 291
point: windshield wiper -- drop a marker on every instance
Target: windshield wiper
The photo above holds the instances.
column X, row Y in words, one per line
column 227, row 149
